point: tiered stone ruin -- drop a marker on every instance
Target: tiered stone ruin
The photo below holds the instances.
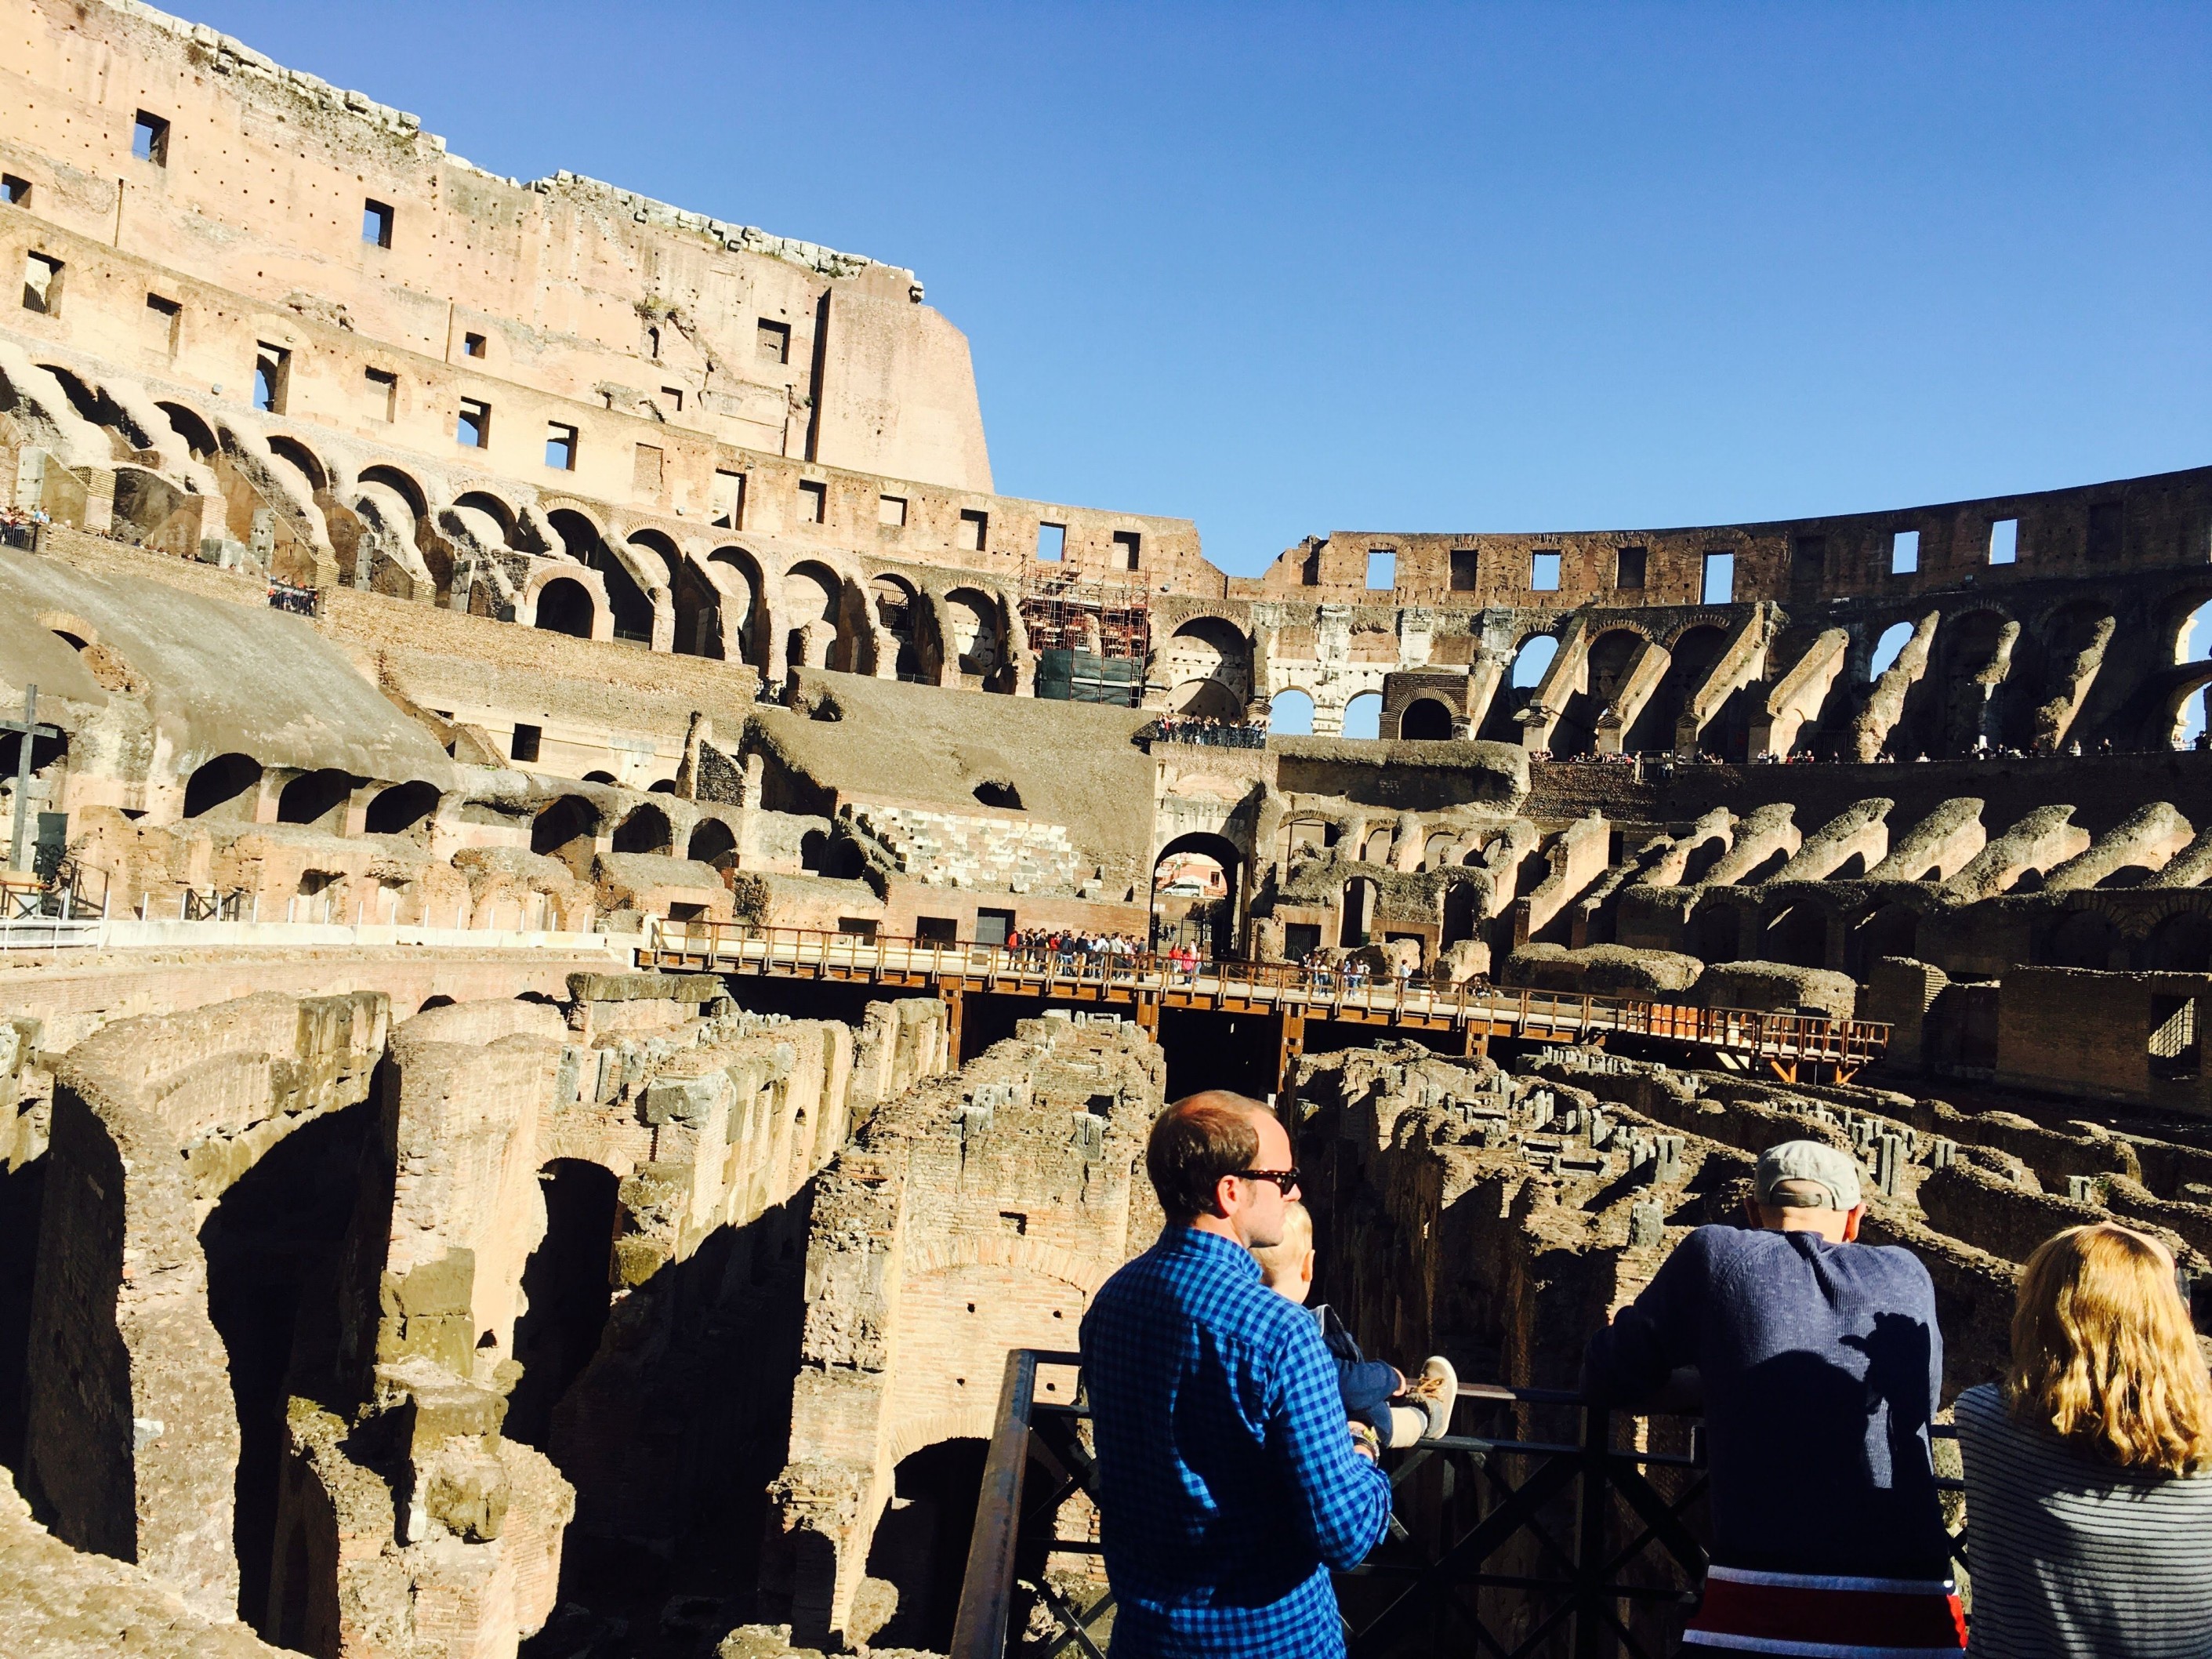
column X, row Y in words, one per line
column 447, row 589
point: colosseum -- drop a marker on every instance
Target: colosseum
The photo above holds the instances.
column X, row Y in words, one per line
column 594, row 922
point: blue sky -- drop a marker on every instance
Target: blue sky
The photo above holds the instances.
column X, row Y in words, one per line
column 1288, row 269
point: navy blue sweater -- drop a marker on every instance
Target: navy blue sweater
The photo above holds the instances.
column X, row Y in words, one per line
column 1822, row 1364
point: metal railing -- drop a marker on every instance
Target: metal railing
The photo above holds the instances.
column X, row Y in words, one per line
column 1315, row 993
column 1505, row 1544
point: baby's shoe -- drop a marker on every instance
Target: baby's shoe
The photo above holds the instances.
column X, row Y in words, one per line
column 1435, row 1392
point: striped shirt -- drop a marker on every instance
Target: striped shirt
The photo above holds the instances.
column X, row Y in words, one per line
column 2072, row 1556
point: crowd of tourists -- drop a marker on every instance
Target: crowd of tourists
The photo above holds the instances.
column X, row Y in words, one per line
column 1219, row 734
column 20, row 527
column 1239, row 1433
column 1072, row 951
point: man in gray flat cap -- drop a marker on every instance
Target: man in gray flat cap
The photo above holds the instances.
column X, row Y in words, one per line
column 1820, row 1363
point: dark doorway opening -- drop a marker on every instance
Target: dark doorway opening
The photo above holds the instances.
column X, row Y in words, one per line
column 23, row 1192
column 920, row 1544
column 272, row 1244
column 566, row 1290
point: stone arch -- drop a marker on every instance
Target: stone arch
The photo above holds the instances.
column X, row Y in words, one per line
column 894, row 609
column 564, row 606
column 562, row 824
column 1424, row 720
column 1291, row 713
column 2179, row 944
column 303, row 459
column 1227, row 913
column 1463, row 912
column 1798, row 935
column 630, row 607
column 1888, row 930
column 2084, row 939
column 742, row 610
column 1356, row 911
column 696, row 603
column 813, row 597
column 976, row 643
column 193, row 427
column 1363, row 716
column 1716, row 934
column 402, row 807
column 401, row 483
column 1206, row 699
column 315, row 797
column 645, row 829
column 566, row 1293
column 492, row 506
column 1212, row 649
column 226, row 788
column 711, row 839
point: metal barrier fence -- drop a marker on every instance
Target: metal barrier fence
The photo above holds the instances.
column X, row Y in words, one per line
column 1498, row 1545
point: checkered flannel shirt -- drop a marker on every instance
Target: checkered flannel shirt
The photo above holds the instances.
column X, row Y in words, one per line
column 1228, row 1485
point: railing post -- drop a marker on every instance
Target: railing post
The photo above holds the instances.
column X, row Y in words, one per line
column 1593, row 1631
column 986, row 1592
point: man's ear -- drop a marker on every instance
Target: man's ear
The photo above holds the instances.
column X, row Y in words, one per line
column 1852, row 1219
column 1224, row 1195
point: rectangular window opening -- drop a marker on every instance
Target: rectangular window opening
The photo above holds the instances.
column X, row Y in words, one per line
column 974, row 532
column 857, row 927
column 1052, row 543
column 1544, row 571
column 1905, row 553
column 149, row 139
column 1129, row 550
column 272, row 371
column 163, row 317
column 16, row 192
column 383, row 387
column 473, row 345
column 472, row 429
column 560, row 448
column 672, row 399
column 813, row 501
column 936, row 930
column 1382, row 568
column 42, row 284
column 1310, row 572
column 645, row 472
column 1628, row 567
column 1720, row 578
column 1464, row 565
column 2004, row 541
column 376, row 223
column 892, row 510
column 726, row 506
column 524, row 746
column 2174, row 1045
column 773, row 340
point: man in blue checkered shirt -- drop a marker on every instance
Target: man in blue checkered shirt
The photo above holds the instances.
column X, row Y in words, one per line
column 1230, row 1481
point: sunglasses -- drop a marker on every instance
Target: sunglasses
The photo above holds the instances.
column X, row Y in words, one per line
column 1284, row 1179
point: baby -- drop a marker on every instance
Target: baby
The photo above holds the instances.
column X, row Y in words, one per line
column 1400, row 1412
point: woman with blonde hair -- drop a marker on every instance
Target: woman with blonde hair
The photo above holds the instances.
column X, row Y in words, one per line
column 2089, row 1472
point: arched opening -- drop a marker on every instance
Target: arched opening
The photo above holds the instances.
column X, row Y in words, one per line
column 1799, row 936
column 812, row 594
column 22, row 1200
column 1463, row 912
column 1424, row 720
column 1374, row 847
column 835, row 858
column 564, row 607
column 607, row 778
column 273, row 1244
column 661, row 786
column 225, row 786
column 316, row 797
column 1893, row 930
column 1205, row 699
column 1894, row 640
column 402, row 484
column 1209, row 649
column 567, row 1286
column 1356, row 916
column 697, row 608
column 580, row 539
column 1291, row 715
column 401, row 808
column 894, row 606
column 975, row 645
column 711, row 839
column 920, row 1543
column 2084, row 939
column 739, row 609
column 1363, row 716
column 1195, row 895
column 1716, row 934
column 483, row 502
column 645, row 830
column 561, row 825
column 1694, row 652
column 198, row 435
column 999, row 792
column 2182, row 944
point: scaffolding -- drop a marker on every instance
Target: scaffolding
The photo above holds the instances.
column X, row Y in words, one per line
column 1093, row 638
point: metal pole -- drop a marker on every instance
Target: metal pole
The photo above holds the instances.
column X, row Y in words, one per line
column 23, row 776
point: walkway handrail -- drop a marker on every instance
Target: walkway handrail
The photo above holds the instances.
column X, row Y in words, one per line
column 1594, row 1574
column 1288, row 986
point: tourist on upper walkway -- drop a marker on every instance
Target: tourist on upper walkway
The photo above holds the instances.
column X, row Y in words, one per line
column 1229, row 1480
column 2087, row 1490
column 1820, row 1362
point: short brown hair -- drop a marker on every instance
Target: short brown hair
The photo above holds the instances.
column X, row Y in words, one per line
column 1196, row 1141
column 2103, row 1353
